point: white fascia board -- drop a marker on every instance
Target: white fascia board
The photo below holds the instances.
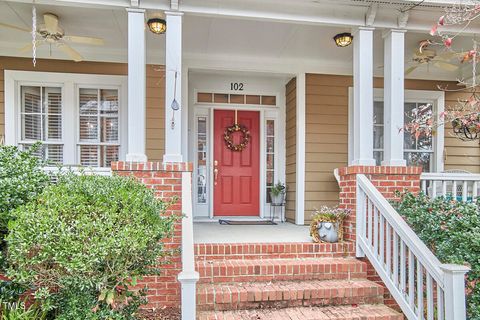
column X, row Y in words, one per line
column 328, row 15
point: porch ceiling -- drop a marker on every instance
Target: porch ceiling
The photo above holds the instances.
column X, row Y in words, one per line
column 218, row 41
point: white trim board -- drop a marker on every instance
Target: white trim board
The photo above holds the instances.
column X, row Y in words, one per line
column 426, row 96
column 69, row 82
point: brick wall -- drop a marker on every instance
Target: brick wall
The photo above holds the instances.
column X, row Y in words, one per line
column 387, row 180
column 166, row 180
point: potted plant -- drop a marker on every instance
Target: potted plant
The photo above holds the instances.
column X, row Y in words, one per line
column 327, row 224
column 277, row 193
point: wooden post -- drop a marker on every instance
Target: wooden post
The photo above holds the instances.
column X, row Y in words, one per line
column 454, row 281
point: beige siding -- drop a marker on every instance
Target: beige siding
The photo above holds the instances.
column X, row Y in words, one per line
column 291, row 127
column 155, row 92
column 326, row 141
column 327, row 135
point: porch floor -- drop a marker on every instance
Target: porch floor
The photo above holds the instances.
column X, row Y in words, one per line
column 213, row 232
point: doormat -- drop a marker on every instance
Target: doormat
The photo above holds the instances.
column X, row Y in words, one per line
column 247, row 222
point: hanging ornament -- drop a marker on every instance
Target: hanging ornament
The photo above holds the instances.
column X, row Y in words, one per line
column 228, row 136
column 175, row 105
column 34, row 34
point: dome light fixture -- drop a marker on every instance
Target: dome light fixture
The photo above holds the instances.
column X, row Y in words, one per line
column 157, row 25
column 343, row 39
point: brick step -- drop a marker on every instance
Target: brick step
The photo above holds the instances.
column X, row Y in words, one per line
column 361, row 312
column 218, row 271
column 282, row 250
column 285, row 294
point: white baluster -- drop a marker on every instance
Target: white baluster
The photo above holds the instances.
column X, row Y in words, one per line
column 419, row 290
column 444, row 188
column 370, row 222
column 375, row 231
column 382, row 239
column 403, row 261
column 475, row 190
column 434, row 189
column 411, row 279
column 430, row 301
column 440, row 303
column 395, row 258
column 388, row 243
column 424, row 186
column 361, row 207
column 454, row 190
column 464, row 191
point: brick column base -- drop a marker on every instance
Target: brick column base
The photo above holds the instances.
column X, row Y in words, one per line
column 388, row 180
column 166, row 180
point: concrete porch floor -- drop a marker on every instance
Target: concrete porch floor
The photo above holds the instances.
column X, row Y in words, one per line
column 213, row 232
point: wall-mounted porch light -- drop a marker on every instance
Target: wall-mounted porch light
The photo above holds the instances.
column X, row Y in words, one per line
column 343, row 39
column 157, row 25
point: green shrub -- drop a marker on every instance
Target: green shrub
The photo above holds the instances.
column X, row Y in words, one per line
column 451, row 230
column 84, row 240
column 21, row 180
column 20, row 310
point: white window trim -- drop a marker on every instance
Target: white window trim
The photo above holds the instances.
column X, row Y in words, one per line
column 70, row 83
column 426, row 96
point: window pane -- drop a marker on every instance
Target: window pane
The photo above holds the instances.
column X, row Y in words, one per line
column 88, row 101
column 109, row 101
column 32, row 127
column 270, row 144
column 202, row 160
column 89, row 156
column 31, row 99
column 41, row 113
column 88, row 128
column 378, row 112
column 419, row 159
column 53, row 153
column 378, row 137
column 109, row 129
column 109, row 154
column 270, row 128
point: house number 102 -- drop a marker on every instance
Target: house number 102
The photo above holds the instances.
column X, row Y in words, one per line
column 236, row 86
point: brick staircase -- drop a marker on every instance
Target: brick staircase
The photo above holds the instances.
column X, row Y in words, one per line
column 301, row 281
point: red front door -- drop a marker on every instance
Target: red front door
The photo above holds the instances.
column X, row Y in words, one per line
column 236, row 186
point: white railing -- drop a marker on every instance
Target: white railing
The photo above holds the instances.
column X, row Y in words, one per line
column 188, row 277
column 458, row 186
column 78, row 170
column 422, row 286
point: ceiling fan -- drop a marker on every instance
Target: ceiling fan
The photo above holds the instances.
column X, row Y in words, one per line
column 426, row 56
column 52, row 34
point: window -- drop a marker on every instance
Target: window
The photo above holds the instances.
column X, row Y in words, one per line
column 270, row 156
column 98, row 127
column 202, row 160
column 426, row 152
column 79, row 118
column 416, row 153
column 41, row 120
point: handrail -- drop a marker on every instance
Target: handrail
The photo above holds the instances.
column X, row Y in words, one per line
column 459, row 186
column 404, row 263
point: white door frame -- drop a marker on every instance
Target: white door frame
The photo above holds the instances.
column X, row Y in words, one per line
column 266, row 113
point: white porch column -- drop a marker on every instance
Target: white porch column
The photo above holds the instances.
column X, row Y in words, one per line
column 363, row 97
column 300, row 149
column 136, row 85
column 393, row 97
column 173, row 87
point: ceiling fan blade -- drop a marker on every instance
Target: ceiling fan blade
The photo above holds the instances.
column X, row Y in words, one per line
column 445, row 66
column 85, row 40
column 51, row 22
column 29, row 46
column 72, row 53
column 14, row 27
column 411, row 69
